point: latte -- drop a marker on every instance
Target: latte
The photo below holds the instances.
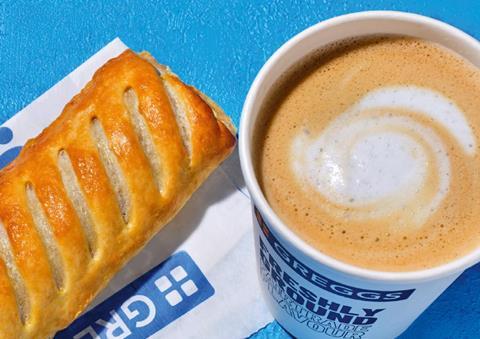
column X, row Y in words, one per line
column 370, row 152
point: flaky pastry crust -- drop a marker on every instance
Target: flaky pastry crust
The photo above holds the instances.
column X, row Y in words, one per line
column 90, row 191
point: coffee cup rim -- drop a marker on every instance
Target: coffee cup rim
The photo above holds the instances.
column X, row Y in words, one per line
column 245, row 143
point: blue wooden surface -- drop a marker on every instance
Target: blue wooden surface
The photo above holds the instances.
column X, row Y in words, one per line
column 219, row 46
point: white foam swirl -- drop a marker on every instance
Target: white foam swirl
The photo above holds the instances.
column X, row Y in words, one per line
column 377, row 163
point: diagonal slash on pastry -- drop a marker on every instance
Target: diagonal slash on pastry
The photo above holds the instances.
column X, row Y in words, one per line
column 119, row 162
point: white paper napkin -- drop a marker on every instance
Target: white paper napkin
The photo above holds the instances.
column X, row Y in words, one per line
column 214, row 229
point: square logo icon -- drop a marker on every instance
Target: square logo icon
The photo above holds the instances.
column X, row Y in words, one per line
column 146, row 305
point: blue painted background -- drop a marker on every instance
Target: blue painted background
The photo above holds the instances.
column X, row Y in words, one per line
column 219, row 46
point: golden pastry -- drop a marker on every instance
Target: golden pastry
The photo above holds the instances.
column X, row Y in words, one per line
column 89, row 192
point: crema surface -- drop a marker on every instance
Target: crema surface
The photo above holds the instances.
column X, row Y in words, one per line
column 369, row 151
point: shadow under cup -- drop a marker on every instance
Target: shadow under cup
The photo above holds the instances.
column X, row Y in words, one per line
column 311, row 294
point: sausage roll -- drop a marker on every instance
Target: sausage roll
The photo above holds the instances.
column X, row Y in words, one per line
column 90, row 191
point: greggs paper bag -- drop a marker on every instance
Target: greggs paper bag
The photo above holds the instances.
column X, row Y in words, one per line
column 196, row 278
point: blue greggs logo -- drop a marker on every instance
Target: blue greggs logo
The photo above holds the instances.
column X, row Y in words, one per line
column 146, row 305
column 323, row 282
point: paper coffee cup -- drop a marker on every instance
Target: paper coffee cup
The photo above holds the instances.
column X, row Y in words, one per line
column 313, row 295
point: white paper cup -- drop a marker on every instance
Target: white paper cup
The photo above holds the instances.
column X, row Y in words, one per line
column 311, row 294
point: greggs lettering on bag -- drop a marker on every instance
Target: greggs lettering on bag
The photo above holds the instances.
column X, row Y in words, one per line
column 146, row 305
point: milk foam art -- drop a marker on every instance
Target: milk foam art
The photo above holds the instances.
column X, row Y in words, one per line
column 384, row 156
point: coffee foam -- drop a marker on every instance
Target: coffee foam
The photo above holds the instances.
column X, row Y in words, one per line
column 376, row 161
column 369, row 152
